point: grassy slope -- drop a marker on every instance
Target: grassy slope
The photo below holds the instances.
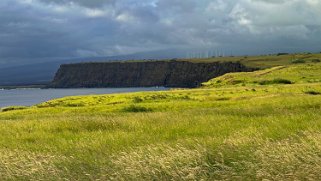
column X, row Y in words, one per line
column 267, row 61
column 301, row 73
column 264, row 61
column 221, row 131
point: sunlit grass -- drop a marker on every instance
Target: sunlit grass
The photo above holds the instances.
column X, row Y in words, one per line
column 243, row 132
column 302, row 73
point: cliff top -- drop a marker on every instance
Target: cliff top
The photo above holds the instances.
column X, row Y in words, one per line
column 263, row 61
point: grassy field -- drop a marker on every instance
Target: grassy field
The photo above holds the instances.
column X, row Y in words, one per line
column 264, row 61
column 241, row 126
column 260, row 62
column 298, row 74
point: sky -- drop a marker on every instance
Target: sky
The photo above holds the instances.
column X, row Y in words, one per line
column 45, row 30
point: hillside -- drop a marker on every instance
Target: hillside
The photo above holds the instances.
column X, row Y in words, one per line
column 264, row 61
column 288, row 74
column 223, row 131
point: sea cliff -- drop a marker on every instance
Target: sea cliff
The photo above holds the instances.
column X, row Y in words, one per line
column 141, row 74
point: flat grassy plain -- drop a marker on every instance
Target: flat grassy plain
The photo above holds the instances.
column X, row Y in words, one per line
column 233, row 128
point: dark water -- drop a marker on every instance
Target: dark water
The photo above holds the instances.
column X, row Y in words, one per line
column 28, row 97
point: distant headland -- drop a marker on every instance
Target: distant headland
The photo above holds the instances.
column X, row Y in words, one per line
column 142, row 74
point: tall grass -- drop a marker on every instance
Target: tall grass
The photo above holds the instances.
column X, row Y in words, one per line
column 226, row 133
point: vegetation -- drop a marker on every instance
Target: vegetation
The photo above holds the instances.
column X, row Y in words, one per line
column 313, row 92
column 315, row 60
column 12, row 108
column 233, row 128
column 265, row 61
column 275, row 81
column 295, row 61
column 298, row 73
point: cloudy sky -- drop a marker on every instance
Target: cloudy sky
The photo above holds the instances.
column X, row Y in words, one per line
column 36, row 30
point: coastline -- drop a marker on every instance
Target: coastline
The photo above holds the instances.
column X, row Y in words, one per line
column 32, row 86
column 33, row 95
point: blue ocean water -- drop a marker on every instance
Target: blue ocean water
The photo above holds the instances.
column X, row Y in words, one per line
column 29, row 97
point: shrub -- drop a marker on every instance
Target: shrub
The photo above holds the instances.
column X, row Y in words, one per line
column 312, row 92
column 156, row 97
column 275, row 81
column 186, row 97
column 280, row 54
column 12, row 108
column 315, row 60
column 234, row 82
column 282, row 81
column 222, row 98
column 297, row 61
column 135, row 108
column 137, row 100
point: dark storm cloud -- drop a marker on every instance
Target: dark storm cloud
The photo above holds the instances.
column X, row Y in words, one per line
column 41, row 29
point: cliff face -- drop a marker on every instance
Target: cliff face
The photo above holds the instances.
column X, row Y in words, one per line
column 141, row 74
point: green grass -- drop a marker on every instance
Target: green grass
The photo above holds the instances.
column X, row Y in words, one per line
column 298, row 73
column 265, row 61
column 261, row 62
column 222, row 131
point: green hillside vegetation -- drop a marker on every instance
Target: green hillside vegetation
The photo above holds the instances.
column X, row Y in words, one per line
column 265, row 61
column 233, row 128
column 261, row 62
column 288, row 74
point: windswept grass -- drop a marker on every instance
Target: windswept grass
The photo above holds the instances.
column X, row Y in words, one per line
column 265, row 61
column 231, row 132
column 300, row 73
column 12, row 108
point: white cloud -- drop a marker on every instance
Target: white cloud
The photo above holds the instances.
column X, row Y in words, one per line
column 94, row 13
column 125, row 17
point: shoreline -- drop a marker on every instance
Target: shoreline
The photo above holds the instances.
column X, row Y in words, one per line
column 31, row 96
column 11, row 87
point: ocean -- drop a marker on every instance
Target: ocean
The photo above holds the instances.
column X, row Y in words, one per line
column 29, row 97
